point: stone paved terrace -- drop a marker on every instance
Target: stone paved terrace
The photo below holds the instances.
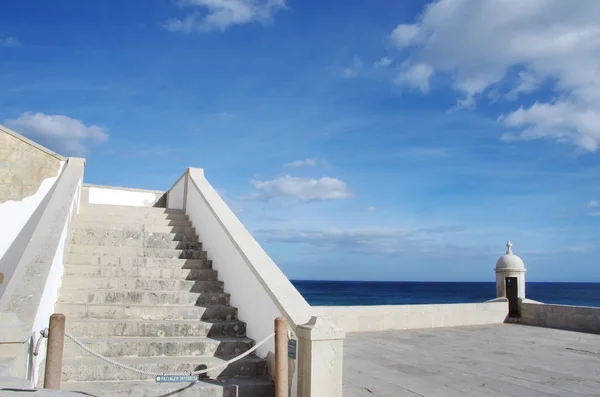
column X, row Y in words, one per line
column 489, row 360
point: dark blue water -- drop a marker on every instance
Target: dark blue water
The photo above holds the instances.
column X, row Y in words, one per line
column 360, row 293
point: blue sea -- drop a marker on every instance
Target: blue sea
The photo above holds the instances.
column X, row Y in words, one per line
column 357, row 293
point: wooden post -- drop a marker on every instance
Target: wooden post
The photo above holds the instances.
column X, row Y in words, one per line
column 281, row 357
column 54, row 351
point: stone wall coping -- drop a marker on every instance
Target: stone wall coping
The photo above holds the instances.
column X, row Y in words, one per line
column 32, row 143
column 320, row 328
column 400, row 317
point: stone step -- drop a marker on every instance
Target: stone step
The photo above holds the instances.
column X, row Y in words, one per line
column 74, row 311
column 176, row 328
column 136, row 228
column 126, row 209
column 71, row 282
column 86, row 234
column 135, row 251
column 130, row 347
column 255, row 386
column 160, row 347
column 6, row 364
column 175, row 242
column 141, row 217
column 128, row 261
column 129, row 223
column 141, row 272
column 94, row 369
column 142, row 297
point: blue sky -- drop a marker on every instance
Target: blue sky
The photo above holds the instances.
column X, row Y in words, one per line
column 361, row 140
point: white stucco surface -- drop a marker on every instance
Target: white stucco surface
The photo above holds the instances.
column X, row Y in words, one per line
column 53, row 283
column 258, row 288
column 175, row 195
column 383, row 318
column 15, row 214
column 99, row 195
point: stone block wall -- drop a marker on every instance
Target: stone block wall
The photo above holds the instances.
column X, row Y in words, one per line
column 23, row 166
column 570, row 318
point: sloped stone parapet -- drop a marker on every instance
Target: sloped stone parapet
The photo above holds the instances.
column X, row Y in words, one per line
column 320, row 358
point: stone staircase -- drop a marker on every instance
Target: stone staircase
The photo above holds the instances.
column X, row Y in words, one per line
column 138, row 288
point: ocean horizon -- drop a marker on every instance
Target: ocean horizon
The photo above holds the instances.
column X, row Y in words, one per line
column 371, row 293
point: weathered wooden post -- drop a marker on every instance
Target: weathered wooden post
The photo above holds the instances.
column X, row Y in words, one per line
column 54, row 351
column 281, row 357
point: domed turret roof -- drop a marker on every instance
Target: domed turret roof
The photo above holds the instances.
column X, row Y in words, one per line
column 510, row 261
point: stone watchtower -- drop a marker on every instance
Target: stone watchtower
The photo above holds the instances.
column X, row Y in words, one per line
column 510, row 275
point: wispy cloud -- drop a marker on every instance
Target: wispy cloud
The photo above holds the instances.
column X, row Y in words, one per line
column 384, row 62
column 355, row 68
column 303, row 189
column 208, row 15
column 425, row 152
column 416, row 76
column 61, row 133
column 308, row 162
column 371, row 208
column 374, row 240
column 593, row 204
column 9, row 42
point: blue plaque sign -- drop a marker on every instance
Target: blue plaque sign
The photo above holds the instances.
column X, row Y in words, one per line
column 177, row 378
column 292, row 348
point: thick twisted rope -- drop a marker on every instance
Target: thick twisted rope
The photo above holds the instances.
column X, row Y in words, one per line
column 149, row 373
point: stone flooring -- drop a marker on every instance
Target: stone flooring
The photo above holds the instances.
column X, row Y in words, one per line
column 489, row 360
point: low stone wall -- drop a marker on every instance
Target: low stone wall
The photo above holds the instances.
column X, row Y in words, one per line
column 382, row 318
column 570, row 318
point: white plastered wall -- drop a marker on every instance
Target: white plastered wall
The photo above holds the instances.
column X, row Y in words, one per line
column 175, row 196
column 52, row 287
column 115, row 196
column 15, row 214
column 253, row 279
column 383, row 318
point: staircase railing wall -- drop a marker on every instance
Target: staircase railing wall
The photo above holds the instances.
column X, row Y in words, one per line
column 260, row 290
column 32, row 292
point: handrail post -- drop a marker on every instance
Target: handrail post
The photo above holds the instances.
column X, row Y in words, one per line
column 281, row 359
column 54, row 351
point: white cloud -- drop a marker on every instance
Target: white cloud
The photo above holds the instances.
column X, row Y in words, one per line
column 562, row 121
column 416, row 76
column 61, row 133
column 303, row 189
column 10, row 42
column 372, row 208
column 354, row 69
column 478, row 42
column 593, row 204
column 528, row 83
column 595, row 213
column 405, row 35
column 220, row 14
column 302, row 163
column 383, row 63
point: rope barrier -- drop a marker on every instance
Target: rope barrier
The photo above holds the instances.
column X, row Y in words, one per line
column 149, row 373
